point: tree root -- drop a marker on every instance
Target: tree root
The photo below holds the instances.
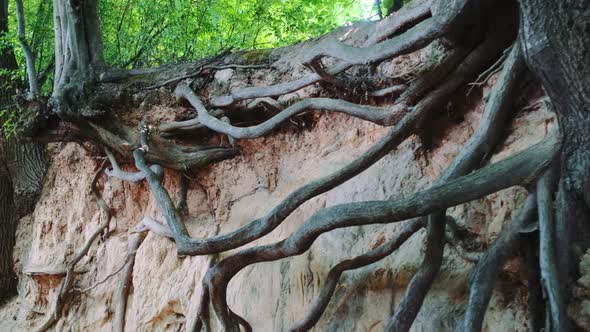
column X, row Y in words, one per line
column 536, row 304
column 407, row 16
column 377, row 115
column 117, row 173
column 420, row 284
column 516, row 170
column 549, row 274
column 394, row 89
column 122, row 292
column 124, row 140
column 410, row 14
column 486, row 272
column 260, row 227
column 375, row 255
column 478, row 147
column 68, row 281
column 445, row 17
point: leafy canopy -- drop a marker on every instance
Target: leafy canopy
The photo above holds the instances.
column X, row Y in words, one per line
column 147, row 33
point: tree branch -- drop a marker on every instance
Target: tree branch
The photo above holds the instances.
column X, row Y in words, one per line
column 29, row 56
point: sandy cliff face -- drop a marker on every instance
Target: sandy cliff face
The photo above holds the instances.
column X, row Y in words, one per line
column 166, row 287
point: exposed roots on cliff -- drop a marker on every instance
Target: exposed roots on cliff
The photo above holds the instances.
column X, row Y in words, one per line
column 465, row 37
column 368, row 258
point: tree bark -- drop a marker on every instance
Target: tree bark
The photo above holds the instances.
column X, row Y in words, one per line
column 557, row 49
column 22, row 170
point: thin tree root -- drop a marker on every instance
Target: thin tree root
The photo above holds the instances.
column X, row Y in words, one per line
column 68, row 281
column 373, row 256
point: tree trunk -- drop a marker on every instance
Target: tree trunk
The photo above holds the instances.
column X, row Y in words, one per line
column 557, row 49
column 22, row 170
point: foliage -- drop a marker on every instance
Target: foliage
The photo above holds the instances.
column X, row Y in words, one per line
column 9, row 126
column 150, row 33
column 147, row 33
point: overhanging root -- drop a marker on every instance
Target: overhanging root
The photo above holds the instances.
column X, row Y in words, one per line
column 479, row 146
column 518, row 169
column 405, row 43
column 476, row 60
column 68, row 281
column 376, row 115
column 403, row 129
column 410, row 14
column 445, row 18
column 486, row 272
column 318, row 308
column 116, row 172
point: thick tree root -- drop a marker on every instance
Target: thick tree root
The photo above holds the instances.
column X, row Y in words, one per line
column 410, row 14
column 553, row 289
column 516, row 170
column 445, row 17
column 536, row 304
column 122, row 292
column 479, row 146
column 405, row 43
column 376, row 115
column 486, row 272
column 420, row 284
column 375, row 255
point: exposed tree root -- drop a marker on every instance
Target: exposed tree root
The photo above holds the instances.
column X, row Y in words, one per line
column 157, row 227
column 263, row 226
column 412, row 40
column 478, row 147
column 472, row 40
column 377, row 115
column 549, row 275
column 117, row 173
column 68, row 281
column 420, row 284
column 162, row 151
column 486, row 272
column 410, row 14
column 445, row 17
column 122, row 292
column 394, row 89
column 375, row 255
column 536, row 304
column 189, row 246
column 182, row 205
column 407, row 16
column 516, row 170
